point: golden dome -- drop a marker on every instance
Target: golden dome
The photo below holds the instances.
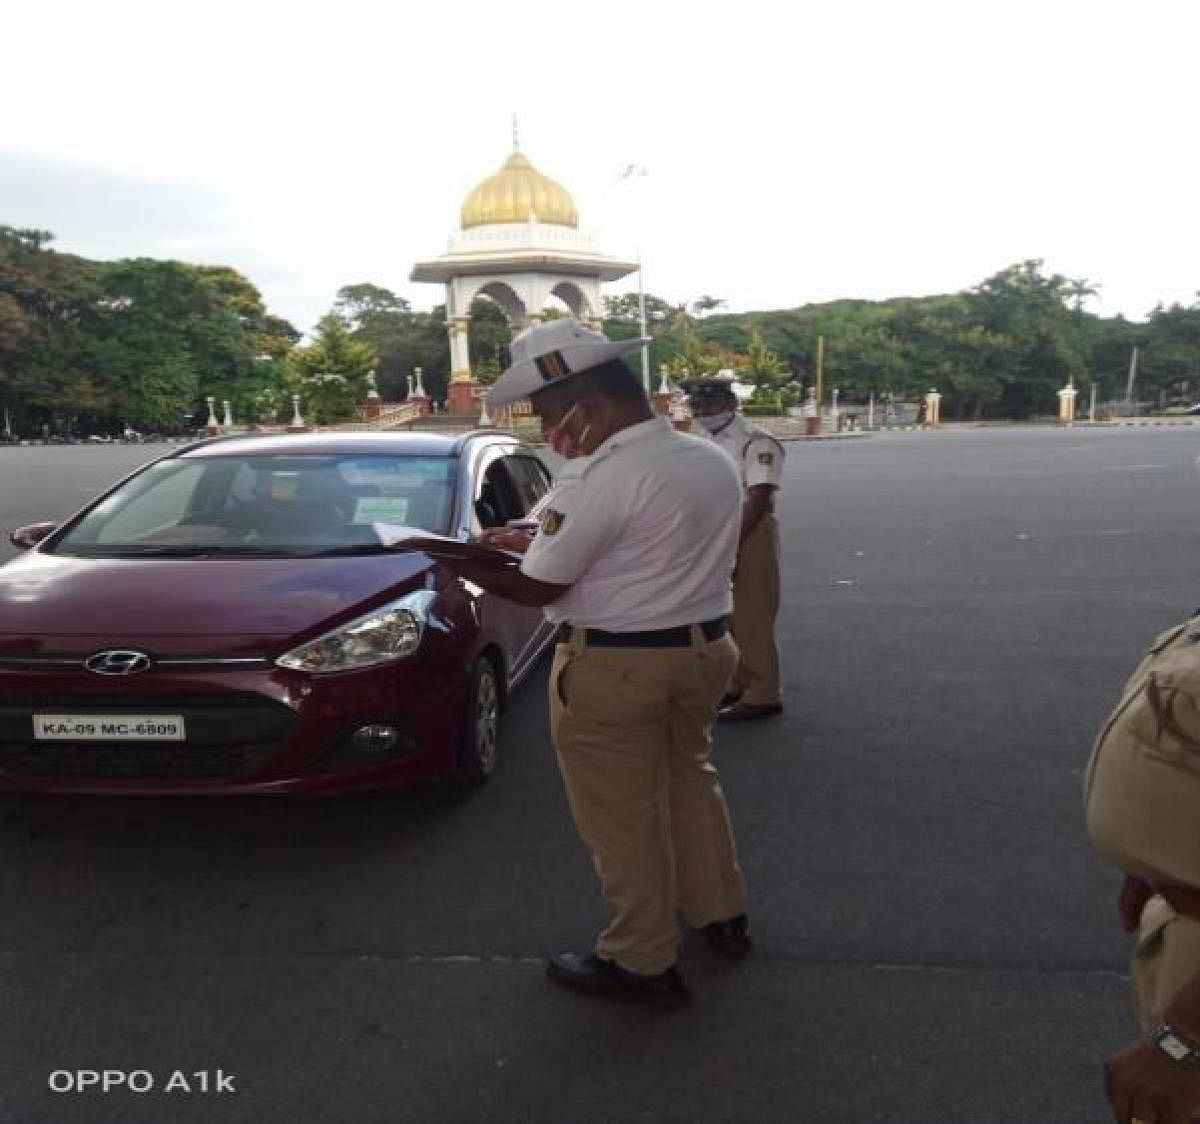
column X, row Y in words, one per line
column 515, row 194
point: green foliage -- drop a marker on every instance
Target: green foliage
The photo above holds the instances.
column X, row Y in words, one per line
column 99, row 344
column 1039, row 341
column 693, row 355
column 624, row 309
column 1173, row 353
column 763, row 367
column 490, row 335
column 330, row 375
column 762, row 409
column 1001, row 349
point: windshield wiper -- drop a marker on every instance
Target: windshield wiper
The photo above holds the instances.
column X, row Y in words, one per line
column 358, row 548
column 181, row 552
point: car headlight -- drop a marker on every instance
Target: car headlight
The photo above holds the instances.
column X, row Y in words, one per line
column 391, row 632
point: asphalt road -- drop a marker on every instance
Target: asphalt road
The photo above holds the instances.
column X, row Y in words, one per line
column 935, row 941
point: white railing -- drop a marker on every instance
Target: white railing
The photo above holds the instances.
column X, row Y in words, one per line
column 390, row 417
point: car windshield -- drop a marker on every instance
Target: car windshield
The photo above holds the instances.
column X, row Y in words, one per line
column 266, row 505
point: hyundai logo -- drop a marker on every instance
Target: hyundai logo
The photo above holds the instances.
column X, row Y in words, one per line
column 118, row 662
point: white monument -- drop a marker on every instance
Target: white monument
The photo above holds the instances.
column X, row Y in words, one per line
column 519, row 243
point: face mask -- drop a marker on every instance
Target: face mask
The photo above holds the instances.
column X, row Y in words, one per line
column 713, row 422
column 563, row 443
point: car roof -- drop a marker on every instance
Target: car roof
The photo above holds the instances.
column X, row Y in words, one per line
column 344, row 443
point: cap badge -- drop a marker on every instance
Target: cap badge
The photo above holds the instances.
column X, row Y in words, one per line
column 552, row 366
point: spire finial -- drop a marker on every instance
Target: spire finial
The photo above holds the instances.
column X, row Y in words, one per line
column 516, row 135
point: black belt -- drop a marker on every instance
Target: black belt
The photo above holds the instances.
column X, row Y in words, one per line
column 678, row 637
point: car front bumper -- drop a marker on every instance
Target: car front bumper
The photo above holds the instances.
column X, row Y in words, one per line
column 248, row 732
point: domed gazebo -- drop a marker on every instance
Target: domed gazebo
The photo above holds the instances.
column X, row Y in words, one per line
column 519, row 243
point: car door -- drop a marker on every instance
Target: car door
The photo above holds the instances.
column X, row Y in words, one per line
column 506, row 488
column 532, row 480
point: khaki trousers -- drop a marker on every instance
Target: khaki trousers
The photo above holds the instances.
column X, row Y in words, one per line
column 1166, row 958
column 755, row 607
column 632, row 731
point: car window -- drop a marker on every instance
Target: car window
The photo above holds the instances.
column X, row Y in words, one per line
column 412, row 491
column 259, row 504
column 498, row 498
column 530, row 476
column 151, row 501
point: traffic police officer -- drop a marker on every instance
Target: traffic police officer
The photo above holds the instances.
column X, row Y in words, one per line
column 632, row 562
column 1142, row 803
column 759, row 456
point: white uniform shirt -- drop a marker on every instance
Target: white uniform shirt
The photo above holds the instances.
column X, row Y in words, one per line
column 644, row 531
column 754, row 451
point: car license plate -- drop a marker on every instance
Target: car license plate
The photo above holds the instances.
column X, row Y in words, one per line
column 108, row 727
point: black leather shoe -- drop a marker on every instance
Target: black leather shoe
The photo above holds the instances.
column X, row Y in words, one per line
column 728, row 700
column 730, row 938
column 594, row 976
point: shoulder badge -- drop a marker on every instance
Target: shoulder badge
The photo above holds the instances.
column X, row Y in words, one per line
column 552, row 521
column 766, row 458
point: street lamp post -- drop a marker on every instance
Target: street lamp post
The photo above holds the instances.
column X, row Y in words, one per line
column 630, row 171
column 642, row 326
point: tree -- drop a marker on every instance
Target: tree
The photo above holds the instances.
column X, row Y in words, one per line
column 706, row 304
column 363, row 304
column 1170, row 357
column 763, row 366
column 1045, row 346
column 272, row 336
column 43, row 297
column 490, row 336
column 696, row 357
column 625, row 309
column 378, row 317
column 330, row 375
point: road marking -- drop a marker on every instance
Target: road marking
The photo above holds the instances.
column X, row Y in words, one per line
column 1132, row 467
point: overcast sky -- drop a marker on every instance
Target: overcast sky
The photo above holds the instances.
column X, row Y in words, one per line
column 796, row 152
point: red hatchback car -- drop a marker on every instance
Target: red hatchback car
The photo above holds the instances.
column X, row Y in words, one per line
column 229, row 620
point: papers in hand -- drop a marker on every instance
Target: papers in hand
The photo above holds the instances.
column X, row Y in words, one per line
column 441, row 546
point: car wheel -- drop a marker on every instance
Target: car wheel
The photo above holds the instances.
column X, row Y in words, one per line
column 478, row 751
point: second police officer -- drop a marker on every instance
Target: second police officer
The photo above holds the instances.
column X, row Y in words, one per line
column 755, row 692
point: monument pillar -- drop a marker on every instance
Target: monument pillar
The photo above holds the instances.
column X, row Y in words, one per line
column 1066, row 403
column 662, row 399
column 460, row 395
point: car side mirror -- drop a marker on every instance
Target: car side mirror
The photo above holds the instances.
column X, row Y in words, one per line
column 23, row 538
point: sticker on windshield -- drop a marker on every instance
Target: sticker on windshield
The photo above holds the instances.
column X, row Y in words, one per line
column 381, row 509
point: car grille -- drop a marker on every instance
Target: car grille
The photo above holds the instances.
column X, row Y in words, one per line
column 135, row 760
column 229, row 736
